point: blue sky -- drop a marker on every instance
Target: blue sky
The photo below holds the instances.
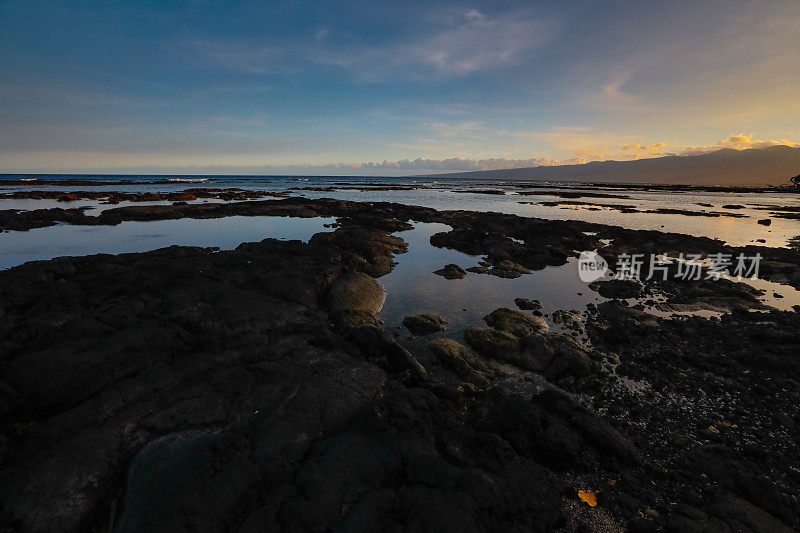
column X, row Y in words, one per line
column 366, row 87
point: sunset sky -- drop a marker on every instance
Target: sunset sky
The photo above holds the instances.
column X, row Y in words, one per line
column 362, row 88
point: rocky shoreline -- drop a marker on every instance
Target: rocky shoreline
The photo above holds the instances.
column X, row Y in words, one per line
column 255, row 390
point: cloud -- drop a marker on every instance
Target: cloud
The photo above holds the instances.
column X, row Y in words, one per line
column 584, row 143
column 646, row 148
column 464, row 44
column 423, row 165
column 738, row 141
column 111, row 163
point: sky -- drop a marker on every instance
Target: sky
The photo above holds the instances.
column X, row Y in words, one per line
column 377, row 88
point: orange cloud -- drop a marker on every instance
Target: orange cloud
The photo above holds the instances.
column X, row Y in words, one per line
column 648, row 148
column 740, row 141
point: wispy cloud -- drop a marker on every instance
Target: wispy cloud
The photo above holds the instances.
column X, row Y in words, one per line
column 475, row 42
column 469, row 42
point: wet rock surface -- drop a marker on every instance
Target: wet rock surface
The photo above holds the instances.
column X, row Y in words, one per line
column 255, row 390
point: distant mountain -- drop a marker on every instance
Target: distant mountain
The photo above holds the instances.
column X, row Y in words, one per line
column 765, row 166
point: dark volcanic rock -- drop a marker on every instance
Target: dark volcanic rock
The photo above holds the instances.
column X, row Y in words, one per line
column 355, row 300
column 451, row 271
column 108, row 354
column 526, row 304
column 366, row 249
column 570, row 319
column 468, row 365
column 517, row 323
column 191, row 389
column 556, row 356
column 617, row 288
column 424, row 324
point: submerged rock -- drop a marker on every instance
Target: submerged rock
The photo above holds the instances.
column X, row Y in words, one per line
column 424, row 324
column 451, row 271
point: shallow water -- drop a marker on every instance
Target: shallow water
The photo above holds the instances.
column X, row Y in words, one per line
column 439, row 194
column 413, row 288
column 17, row 247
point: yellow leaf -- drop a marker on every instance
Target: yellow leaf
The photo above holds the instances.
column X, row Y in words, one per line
column 588, row 497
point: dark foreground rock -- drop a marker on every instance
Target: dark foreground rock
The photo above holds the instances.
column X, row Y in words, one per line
column 189, row 389
column 253, row 390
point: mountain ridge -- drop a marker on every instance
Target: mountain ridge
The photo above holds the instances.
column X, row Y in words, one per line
column 754, row 166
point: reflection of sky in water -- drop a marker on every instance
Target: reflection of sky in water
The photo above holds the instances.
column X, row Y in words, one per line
column 17, row 247
column 413, row 288
column 736, row 231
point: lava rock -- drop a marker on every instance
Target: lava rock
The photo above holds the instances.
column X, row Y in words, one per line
column 451, row 271
column 527, row 304
column 514, row 322
column 424, row 324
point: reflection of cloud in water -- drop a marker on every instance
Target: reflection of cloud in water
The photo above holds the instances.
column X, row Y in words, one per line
column 413, row 288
